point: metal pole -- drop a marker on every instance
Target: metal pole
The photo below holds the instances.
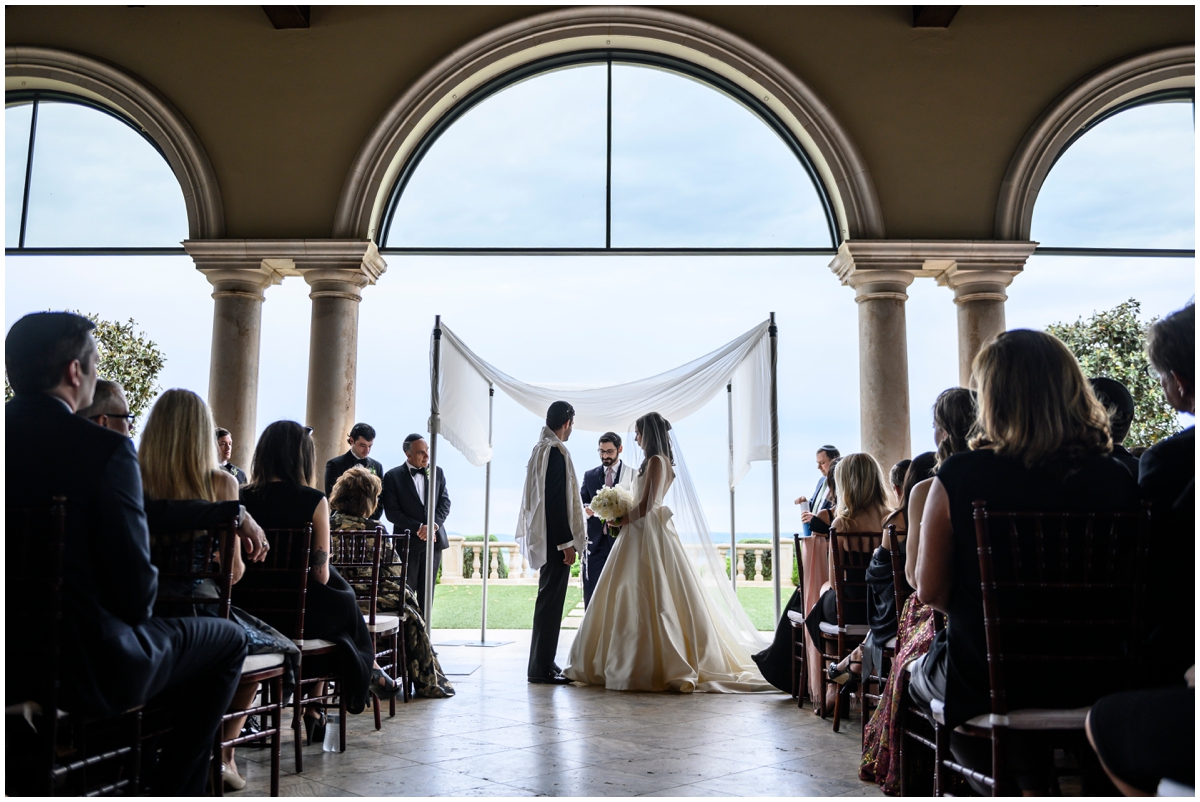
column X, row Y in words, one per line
column 487, row 504
column 732, row 509
column 431, row 487
column 776, row 568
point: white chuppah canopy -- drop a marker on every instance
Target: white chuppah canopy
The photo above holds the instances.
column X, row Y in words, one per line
column 462, row 385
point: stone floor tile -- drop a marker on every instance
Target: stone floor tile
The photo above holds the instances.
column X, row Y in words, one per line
column 492, row 789
column 686, row 790
column 517, row 764
column 523, row 735
column 772, row 781
column 444, row 747
column 409, row 781
column 752, row 752
column 679, row 738
column 684, row 768
column 591, row 751
column 592, row 781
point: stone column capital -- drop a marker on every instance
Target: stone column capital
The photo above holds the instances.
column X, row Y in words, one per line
column 874, row 272
column 340, row 268
column 247, row 267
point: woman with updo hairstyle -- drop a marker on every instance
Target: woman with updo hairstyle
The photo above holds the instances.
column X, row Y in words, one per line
column 1041, row 444
column 354, row 497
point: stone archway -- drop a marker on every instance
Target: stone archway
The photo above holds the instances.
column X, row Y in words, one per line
column 137, row 101
column 396, row 136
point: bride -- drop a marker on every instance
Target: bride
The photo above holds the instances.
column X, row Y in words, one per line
column 651, row 624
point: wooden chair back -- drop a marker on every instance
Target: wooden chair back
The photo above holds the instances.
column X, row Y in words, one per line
column 276, row 589
column 33, row 573
column 356, row 555
column 1061, row 598
column 797, row 540
column 851, row 553
column 899, row 580
column 394, row 555
column 194, row 568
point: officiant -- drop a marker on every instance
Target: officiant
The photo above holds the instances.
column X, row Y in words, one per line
column 612, row 472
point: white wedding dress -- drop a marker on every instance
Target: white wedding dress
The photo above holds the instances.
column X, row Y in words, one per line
column 651, row 626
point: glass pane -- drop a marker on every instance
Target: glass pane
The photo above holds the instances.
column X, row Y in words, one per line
column 16, row 151
column 524, row 168
column 1129, row 182
column 694, row 168
column 98, row 183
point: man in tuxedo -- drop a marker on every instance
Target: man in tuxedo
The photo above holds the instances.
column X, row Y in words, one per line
column 612, row 472
column 405, row 500
column 120, row 656
column 361, row 438
column 109, row 407
column 820, row 497
column 224, row 452
column 550, row 530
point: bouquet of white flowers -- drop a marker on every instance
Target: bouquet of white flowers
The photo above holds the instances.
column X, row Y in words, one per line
column 611, row 503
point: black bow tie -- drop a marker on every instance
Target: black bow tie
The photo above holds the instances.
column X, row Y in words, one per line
column 416, row 471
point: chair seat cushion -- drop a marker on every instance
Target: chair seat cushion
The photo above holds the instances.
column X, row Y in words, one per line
column 891, row 644
column 312, row 644
column 257, row 662
column 1031, row 719
column 383, row 623
column 849, row 629
column 795, row 616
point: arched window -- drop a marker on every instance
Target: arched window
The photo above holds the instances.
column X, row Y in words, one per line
column 80, row 175
column 1127, row 180
column 609, row 150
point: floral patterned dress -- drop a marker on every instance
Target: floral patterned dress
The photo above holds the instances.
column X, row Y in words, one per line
column 880, row 761
column 423, row 667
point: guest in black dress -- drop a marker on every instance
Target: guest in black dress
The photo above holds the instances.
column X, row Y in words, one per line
column 280, row 496
column 1043, row 444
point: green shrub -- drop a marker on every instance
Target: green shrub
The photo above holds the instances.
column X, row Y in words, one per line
column 469, row 557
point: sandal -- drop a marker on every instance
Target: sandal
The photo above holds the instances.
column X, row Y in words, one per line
column 383, row 686
column 314, row 725
column 843, row 675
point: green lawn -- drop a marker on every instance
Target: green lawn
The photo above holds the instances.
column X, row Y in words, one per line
column 511, row 606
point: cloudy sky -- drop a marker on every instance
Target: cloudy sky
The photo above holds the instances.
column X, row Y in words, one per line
column 691, row 168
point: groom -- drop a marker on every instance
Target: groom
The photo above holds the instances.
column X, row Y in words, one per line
column 550, row 530
column 612, row 471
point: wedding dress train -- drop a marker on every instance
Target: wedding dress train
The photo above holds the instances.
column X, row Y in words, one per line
column 651, row 626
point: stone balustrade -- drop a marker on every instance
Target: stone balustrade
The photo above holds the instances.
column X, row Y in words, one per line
column 520, row 573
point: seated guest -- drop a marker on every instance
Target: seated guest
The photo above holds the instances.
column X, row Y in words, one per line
column 896, row 479
column 775, row 662
column 1144, row 737
column 224, row 453
column 281, row 496
column 361, row 439
column 954, row 414
column 120, row 656
column 109, row 408
column 1115, row 398
column 355, row 493
column 1043, row 444
column 179, row 461
column 862, row 504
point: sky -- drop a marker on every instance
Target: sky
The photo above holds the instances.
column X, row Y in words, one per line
column 526, row 168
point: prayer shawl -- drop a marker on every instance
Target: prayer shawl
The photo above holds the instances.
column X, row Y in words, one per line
column 531, row 520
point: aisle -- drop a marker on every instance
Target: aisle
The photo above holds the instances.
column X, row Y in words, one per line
column 501, row 736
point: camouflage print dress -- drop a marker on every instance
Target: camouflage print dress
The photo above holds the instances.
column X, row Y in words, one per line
column 423, row 667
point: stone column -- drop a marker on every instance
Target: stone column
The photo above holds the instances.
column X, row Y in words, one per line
column 337, row 271
column 239, row 279
column 880, row 273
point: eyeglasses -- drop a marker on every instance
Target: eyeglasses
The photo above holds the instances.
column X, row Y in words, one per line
column 129, row 416
column 607, row 452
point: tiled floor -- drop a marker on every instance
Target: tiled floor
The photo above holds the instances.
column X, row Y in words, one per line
column 500, row 736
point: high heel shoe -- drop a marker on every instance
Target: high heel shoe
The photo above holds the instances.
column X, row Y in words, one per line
column 314, row 727
column 389, row 687
column 233, row 781
column 841, row 675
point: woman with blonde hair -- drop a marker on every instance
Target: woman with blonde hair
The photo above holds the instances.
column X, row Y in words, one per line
column 178, row 459
column 1041, row 444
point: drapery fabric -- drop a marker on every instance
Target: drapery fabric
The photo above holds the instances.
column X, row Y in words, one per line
column 530, row 533
column 464, row 380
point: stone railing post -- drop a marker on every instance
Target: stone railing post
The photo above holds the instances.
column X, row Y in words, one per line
column 452, row 560
column 741, row 563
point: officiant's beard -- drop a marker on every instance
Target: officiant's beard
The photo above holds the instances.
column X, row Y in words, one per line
column 608, row 462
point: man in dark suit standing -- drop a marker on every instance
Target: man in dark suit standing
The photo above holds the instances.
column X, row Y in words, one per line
column 361, row 438
column 820, row 499
column 611, row 472
column 120, row 656
column 224, row 452
column 405, row 494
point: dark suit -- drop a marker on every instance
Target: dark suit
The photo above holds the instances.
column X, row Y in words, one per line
column 235, row 472
column 1122, row 455
column 339, row 465
column 816, row 525
column 406, row 512
column 118, row 656
column 555, row 575
column 1166, row 477
column 599, row 544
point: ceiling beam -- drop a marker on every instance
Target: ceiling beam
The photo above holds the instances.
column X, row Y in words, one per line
column 288, row 16
column 933, row 16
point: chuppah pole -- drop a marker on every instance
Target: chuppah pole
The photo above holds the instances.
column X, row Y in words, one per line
column 776, row 568
column 431, row 487
column 487, row 505
column 732, row 510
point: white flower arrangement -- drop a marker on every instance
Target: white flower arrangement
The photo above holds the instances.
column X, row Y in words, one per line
column 611, row 503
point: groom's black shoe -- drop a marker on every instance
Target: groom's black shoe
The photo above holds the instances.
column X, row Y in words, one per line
column 550, row 679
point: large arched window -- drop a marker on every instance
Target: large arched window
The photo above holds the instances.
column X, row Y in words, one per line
column 80, row 175
column 1126, row 180
column 609, row 150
